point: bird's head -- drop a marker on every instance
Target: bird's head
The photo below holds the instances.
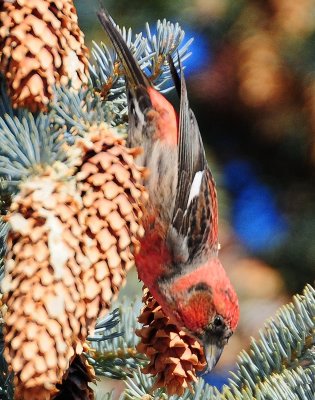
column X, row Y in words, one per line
column 207, row 307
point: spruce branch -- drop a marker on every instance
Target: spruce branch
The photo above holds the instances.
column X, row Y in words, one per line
column 6, row 194
column 77, row 112
column 6, row 377
column 168, row 40
column 284, row 342
column 27, row 141
column 150, row 52
column 114, row 351
column 139, row 387
column 4, row 228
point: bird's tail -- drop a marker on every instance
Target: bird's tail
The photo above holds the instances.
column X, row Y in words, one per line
column 132, row 70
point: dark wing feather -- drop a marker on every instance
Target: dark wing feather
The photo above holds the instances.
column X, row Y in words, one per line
column 174, row 74
column 194, row 223
column 135, row 75
column 139, row 101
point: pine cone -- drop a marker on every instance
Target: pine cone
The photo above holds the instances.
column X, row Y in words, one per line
column 3, row 309
column 174, row 357
column 45, row 324
column 41, row 45
column 109, row 183
column 69, row 248
column 75, row 383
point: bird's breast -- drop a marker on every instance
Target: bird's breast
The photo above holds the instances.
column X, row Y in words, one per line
column 153, row 257
column 161, row 161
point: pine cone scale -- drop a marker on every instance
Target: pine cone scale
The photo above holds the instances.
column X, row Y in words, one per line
column 41, row 46
column 174, row 357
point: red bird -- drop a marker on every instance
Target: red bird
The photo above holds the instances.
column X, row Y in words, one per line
column 178, row 260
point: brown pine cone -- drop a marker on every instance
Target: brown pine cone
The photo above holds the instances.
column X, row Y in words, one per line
column 75, row 382
column 110, row 185
column 45, row 324
column 174, row 357
column 41, row 45
column 3, row 309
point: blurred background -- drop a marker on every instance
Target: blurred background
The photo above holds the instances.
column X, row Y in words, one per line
column 251, row 82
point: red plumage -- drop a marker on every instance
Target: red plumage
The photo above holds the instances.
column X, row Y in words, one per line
column 166, row 120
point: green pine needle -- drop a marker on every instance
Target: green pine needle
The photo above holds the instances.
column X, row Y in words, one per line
column 114, row 347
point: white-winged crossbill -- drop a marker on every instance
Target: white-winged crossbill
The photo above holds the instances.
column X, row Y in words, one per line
column 178, row 260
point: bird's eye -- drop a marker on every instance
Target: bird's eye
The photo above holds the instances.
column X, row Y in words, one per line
column 218, row 321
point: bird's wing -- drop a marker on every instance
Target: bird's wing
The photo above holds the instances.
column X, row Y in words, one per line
column 194, row 224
